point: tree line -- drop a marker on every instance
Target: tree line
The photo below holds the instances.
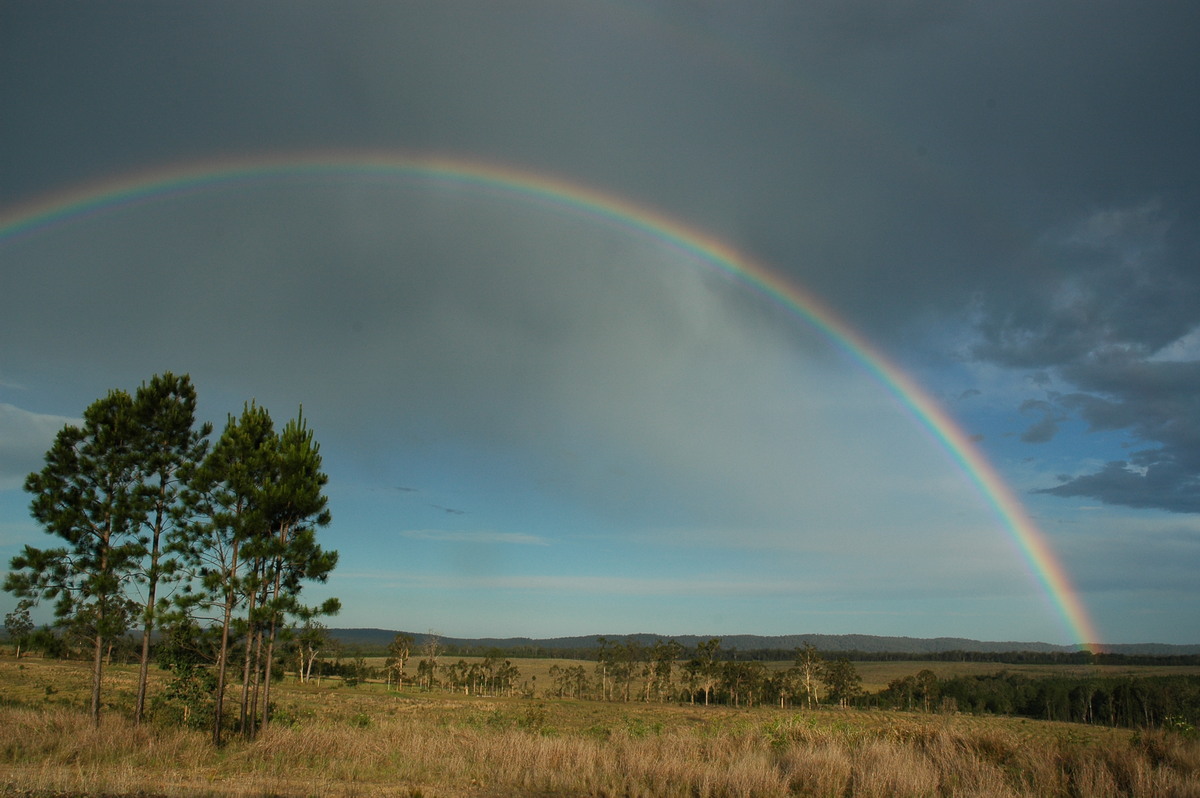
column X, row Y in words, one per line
column 1143, row 701
column 164, row 531
column 667, row 672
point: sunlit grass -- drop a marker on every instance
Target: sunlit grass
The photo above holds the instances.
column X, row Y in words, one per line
column 367, row 740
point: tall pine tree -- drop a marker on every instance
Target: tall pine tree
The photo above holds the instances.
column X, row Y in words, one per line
column 89, row 494
column 168, row 448
column 221, row 552
column 259, row 498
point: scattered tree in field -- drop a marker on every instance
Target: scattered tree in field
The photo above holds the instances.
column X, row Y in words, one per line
column 139, row 499
column 310, row 639
column 570, row 681
column 399, row 650
column 89, row 494
column 427, row 667
column 926, row 687
column 222, row 548
column 663, row 657
column 744, row 681
column 901, row 691
column 808, row 668
column 18, row 625
column 705, row 667
column 604, row 661
column 842, row 681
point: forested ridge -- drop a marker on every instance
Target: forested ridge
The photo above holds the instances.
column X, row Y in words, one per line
column 861, row 648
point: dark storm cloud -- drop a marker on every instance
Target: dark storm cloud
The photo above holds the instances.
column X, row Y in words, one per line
column 1114, row 279
column 1158, row 403
column 895, row 157
column 1046, row 428
column 1120, row 288
column 1148, row 480
column 1027, row 171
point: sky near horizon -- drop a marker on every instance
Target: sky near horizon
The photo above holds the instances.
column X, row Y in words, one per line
column 547, row 412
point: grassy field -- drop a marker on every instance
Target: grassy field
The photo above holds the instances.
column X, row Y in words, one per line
column 367, row 740
column 875, row 675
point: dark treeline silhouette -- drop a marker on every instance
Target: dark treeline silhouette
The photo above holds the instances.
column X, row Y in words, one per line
column 1136, row 702
column 1002, row 658
column 374, row 639
column 591, row 653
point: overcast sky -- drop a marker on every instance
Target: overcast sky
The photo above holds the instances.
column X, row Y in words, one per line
column 538, row 422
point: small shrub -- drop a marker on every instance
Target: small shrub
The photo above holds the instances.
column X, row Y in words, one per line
column 533, row 719
column 598, row 732
column 638, row 728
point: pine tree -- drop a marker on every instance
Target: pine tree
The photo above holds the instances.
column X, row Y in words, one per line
column 259, row 501
column 168, row 448
column 89, row 494
column 296, row 507
column 221, row 551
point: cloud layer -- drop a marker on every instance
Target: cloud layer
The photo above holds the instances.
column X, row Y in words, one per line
column 1002, row 197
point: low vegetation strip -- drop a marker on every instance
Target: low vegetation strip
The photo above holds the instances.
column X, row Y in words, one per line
column 342, row 741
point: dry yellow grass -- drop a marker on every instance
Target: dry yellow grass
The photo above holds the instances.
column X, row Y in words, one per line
column 367, row 741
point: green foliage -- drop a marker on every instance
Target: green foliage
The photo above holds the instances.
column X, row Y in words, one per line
column 842, row 681
column 1112, row 701
column 88, row 495
column 18, row 625
column 1180, row 725
column 138, row 499
column 259, row 499
column 638, row 727
column 187, row 699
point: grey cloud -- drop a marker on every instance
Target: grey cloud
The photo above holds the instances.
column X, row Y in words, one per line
column 1159, row 404
column 619, row 372
column 1010, row 183
column 1113, row 280
column 1119, row 287
column 796, row 131
column 1153, row 480
column 24, row 439
column 1045, row 429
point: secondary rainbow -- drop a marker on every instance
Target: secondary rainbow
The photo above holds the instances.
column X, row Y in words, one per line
column 563, row 195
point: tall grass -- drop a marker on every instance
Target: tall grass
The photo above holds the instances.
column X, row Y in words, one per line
column 469, row 750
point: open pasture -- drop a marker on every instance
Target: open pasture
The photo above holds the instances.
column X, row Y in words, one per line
column 369, row 740
column 875, row 675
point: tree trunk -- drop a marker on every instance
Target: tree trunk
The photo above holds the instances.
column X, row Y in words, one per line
column 223, row 656
column 143, row 674
column 245, row 721
column 266, row 703
column 97, row 672
column 266, row 709
column 222, row 665
column 151, row 595
column 249, row 676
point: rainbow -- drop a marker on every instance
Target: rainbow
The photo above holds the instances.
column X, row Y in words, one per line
column 157, row 184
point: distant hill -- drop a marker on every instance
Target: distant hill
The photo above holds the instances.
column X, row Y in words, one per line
column 872, row 644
